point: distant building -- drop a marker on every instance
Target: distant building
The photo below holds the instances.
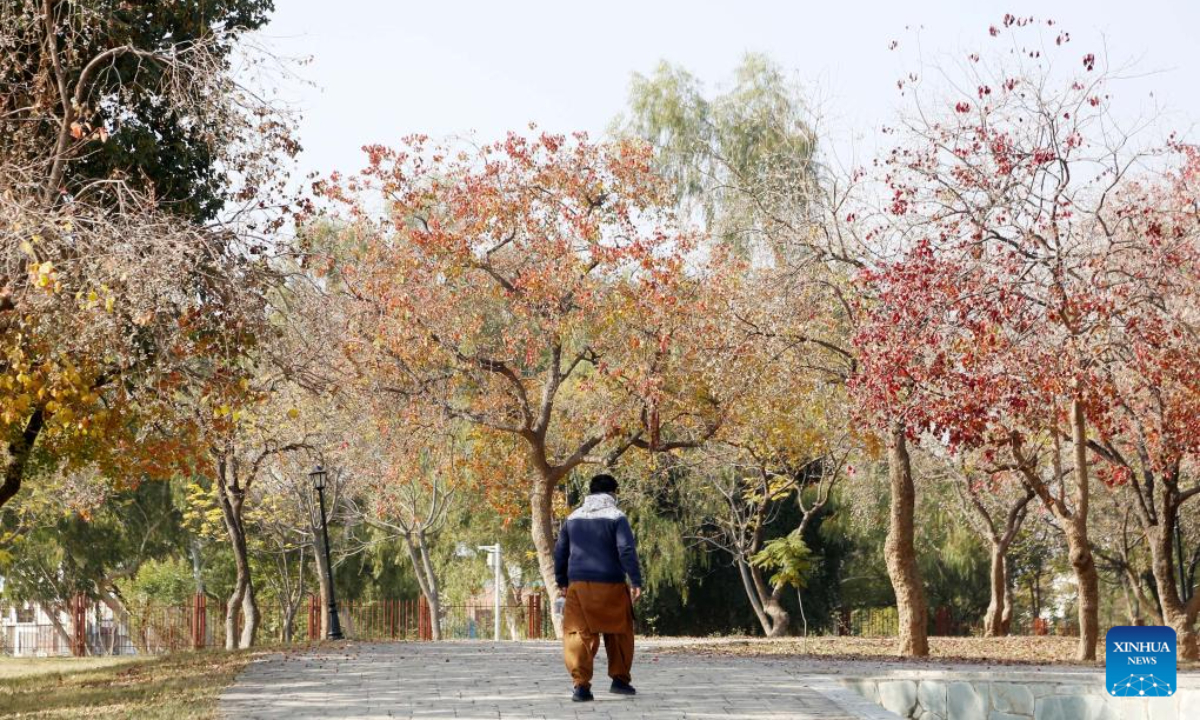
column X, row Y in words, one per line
column 31, row 630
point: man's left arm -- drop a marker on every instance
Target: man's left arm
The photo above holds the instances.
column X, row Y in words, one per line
column 562, row 557
column 627, row 552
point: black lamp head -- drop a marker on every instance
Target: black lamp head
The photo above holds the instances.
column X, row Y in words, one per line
column 318, row 476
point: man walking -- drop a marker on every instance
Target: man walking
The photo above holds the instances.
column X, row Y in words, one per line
column 594, row 554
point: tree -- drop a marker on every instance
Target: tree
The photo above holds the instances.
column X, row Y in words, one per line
column 108, row 305
column 744, row 158
column 239, row 434
column 536, row 288
column 785, row 440
column 991, row 328
column 996, row 511
column 86, row 534
column 750, row 493
column 279, row 527
column 1150, row 439
column 114, row 97
column 789, row 561
column 412, row 490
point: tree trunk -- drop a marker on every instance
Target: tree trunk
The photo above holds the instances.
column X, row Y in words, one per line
column 1035, row 595
column 1078, row 546
column 418, row 554
column 53, row 611
column 772, row 608
column 120, row 613
column 1088, row 591
column 435, row 593
column 752, row 594
column 233, row 607
column 542, row 529
column 516, row 617
column 1175, row 613
column 780, row 618
column 900, row 549
column 289, row 622
column 250, row 616
column 1010, row 601
column 322, row 583
column 1185, row 628
column 19, row 451
column 998, row 619
column 242, row 599
column 197, row 564
column 993, row 621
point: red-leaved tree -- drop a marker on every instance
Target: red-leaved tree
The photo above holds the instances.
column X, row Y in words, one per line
column 992, row 329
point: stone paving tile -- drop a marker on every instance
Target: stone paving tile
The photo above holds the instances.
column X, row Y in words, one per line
column 514, row 681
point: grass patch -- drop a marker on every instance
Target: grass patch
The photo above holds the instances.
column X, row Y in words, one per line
column 183, row 685
column 29, row 667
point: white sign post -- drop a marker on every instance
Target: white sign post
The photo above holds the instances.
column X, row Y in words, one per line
column 493, row 552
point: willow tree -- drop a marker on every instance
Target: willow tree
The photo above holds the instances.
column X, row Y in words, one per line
column 743, row 158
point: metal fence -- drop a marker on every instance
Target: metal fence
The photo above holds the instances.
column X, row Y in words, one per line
column 86, row 628
column 943, row 622
column 155, row 630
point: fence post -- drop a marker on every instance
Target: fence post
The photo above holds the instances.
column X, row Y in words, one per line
column 529, row 616
column 424, row 627
column 941, row 622
column 199, row 621
column 534, row 615
column 314, row 618
column 79, row 625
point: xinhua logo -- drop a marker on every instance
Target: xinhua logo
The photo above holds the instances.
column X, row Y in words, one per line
column 1140, row 661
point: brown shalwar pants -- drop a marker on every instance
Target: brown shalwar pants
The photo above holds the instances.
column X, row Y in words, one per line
column 594, row 609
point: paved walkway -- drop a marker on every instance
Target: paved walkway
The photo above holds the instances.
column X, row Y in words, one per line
column 523, row 681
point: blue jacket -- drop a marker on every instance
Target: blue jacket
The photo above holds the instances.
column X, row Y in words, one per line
column 596, row 544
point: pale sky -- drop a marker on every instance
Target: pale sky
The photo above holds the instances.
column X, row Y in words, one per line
column 383, row 69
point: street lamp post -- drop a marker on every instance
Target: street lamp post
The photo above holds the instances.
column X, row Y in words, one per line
column 319, row 476
column 493, row 552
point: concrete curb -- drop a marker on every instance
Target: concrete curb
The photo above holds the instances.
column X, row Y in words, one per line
column 850, row 701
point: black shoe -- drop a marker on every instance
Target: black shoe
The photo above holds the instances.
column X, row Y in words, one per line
column 582, row 694
column 621, row 687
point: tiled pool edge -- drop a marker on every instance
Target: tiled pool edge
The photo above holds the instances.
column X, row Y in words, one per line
column 1021, row 695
